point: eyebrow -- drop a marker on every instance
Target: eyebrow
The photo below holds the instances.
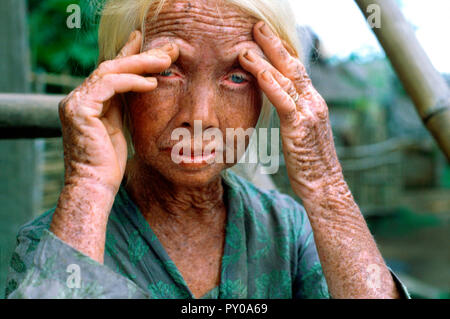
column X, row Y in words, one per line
column 230, row 58
column 227, row 64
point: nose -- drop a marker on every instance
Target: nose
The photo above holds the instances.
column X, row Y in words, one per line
column 198, row 105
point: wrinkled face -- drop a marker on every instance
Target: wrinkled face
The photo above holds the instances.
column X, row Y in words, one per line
column 205, row 84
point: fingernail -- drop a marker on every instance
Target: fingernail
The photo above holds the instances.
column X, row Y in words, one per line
column 248, row 55
column 265, row 31
column 267, row 76
column 152, row 80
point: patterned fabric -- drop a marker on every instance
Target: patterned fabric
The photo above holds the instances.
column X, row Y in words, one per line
column 269, row 252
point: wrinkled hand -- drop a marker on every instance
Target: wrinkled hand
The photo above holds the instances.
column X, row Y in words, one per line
column 346, row 249
column 308, row 144
column 95, row 149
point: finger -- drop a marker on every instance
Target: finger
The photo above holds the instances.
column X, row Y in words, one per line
column 289, row 49
column 280, row 57
column 133, row 45
column 152, row 61
column 114, row 115
column 112, row 84
column 255, row 64
column 109, row 85
column 113, row 121
column 285, row 106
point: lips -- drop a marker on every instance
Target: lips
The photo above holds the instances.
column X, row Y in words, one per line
column 190, row 159
column 202, row 159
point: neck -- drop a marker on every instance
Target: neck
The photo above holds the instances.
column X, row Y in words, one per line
column 155, row 195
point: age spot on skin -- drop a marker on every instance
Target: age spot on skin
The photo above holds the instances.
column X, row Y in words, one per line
column 188, row 7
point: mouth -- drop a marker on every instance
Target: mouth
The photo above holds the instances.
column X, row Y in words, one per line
column 191, row 160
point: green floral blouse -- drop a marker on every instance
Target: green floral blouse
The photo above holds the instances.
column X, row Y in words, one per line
column 269, row 252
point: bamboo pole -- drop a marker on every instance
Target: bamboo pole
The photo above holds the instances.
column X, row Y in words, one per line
column 426, row 87
column 29, row 116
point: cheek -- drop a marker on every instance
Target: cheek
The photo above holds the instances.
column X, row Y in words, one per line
column 242, row 110
column 150, row 114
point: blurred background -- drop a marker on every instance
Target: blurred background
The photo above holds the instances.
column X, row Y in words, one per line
column 397, row 174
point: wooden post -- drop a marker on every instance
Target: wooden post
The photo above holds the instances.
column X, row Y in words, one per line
column 17, row 158
column 426, row 87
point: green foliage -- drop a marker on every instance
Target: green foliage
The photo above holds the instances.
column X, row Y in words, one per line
column 54, row 47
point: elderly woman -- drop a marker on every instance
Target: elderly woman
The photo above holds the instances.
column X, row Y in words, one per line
column 133, row 222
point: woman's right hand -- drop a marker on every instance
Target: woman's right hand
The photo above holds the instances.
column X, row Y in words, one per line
column 95, row 149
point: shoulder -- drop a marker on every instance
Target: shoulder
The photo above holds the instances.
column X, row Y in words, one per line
column 27, row 241
column 35, row 228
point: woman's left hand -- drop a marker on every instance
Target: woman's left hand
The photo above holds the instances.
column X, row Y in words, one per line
column 347, row 251
column 308, row 145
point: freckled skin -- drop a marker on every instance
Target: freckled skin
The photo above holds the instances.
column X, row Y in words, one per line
column 352, row 264
column 185, row 207
column 209, row 49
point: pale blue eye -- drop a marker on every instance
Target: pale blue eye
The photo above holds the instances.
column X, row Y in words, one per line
column 166, row 73
column 237, row 78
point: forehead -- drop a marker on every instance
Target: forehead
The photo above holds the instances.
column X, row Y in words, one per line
column 213, row 23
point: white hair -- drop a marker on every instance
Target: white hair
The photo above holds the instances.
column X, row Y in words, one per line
column 120, row 18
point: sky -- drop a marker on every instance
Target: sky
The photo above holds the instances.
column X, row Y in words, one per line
column 343, row 29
